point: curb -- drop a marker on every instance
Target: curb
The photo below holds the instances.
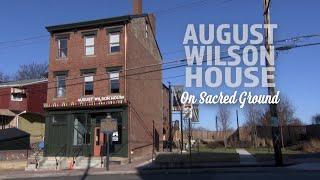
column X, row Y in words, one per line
column 150, row 171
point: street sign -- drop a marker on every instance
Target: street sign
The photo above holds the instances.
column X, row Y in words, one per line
column 177, row 93
column 109, row 125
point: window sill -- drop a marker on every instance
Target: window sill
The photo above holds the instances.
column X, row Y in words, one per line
column 59, row 98
column 87, row 96
column 114, row 53
column 89, row 56
column 62, row 59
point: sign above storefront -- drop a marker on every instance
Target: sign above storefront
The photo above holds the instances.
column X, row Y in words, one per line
column 89, row 101
column 100, row 99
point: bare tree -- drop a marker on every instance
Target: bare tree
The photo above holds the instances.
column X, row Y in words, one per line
column 254, row 115
column 32, row 71
column 316, row 119
column 296, row 122
column 286, row 111
column 224, row 121
column 3, row 77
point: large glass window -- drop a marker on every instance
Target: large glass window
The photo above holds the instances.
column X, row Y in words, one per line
column 61, row 86
column 81, row 130
column 62, row 48
column 89, row 45
column 114, row 42
column 114, row 82
column 88, row 85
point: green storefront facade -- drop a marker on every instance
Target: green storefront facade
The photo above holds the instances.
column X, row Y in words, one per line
column 79, row 132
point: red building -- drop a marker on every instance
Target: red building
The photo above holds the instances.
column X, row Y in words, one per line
column 21, row 106
column 100, row 72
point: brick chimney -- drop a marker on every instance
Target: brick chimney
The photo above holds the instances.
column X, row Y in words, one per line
column 137, row 7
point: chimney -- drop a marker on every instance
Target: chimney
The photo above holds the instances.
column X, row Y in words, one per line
column 137, row 7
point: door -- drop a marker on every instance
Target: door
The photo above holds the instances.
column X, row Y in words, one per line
column 98, row 141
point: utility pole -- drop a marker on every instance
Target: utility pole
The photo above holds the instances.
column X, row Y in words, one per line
column 170, row 117
column 189, row 137
column 181, row 124
column 238, row 131
column 271, row 91
column 217, row 124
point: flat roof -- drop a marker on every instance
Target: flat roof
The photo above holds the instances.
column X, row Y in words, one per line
column 92, row 23
column 23, row 82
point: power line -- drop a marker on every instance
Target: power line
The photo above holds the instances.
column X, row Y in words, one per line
column 182, row 60
column 162, row 69
column 24, row 39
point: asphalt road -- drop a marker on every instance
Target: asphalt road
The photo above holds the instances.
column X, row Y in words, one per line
column 302, row 175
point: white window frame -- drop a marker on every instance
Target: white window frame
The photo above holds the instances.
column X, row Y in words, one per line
column 89, row 45
column 88, row 78
column 113, row 43
column 65, row 86
column 116, row 77
column 16, row 99
column 59, row 48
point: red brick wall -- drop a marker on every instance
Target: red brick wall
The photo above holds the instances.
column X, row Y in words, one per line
column 144, row 90
column 77, row 60
column 5, row 98
column 36, row 95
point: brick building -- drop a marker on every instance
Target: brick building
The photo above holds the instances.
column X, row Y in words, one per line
column 104, row 76
column 21, row 106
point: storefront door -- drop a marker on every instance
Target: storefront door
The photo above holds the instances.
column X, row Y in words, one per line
column 98, row 141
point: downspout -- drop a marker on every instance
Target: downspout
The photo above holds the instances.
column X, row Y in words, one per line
column 125, row 91
column 125, row 61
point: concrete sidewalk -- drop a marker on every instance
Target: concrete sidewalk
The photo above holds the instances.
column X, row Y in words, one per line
column 131, row 168
column 246, row 158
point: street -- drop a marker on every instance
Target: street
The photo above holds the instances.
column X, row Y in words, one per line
column 217, row 176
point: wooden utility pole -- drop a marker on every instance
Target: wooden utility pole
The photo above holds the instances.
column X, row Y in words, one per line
column 181, row 124
column 189, row 137
column 238, row 130
column 170, row 118
column 217, row 124
column 271, row 90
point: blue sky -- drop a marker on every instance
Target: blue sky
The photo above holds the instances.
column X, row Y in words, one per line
column 297, row 70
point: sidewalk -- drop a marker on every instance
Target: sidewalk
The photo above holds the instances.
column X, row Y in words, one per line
column 131, row 168
column 246, row 158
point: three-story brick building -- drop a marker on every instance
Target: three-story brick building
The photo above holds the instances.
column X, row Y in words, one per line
column 104, row 75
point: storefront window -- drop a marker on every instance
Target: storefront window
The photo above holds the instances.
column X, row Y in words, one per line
column 81, row 131
column 117, row 136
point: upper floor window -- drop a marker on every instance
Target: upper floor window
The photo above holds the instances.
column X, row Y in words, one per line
column 61, row 86
column 16, row 97
column 114, row 42
column 114, row 82
column 89, row 45
column 62, row 48
column 17, row 94
column 88, row 85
